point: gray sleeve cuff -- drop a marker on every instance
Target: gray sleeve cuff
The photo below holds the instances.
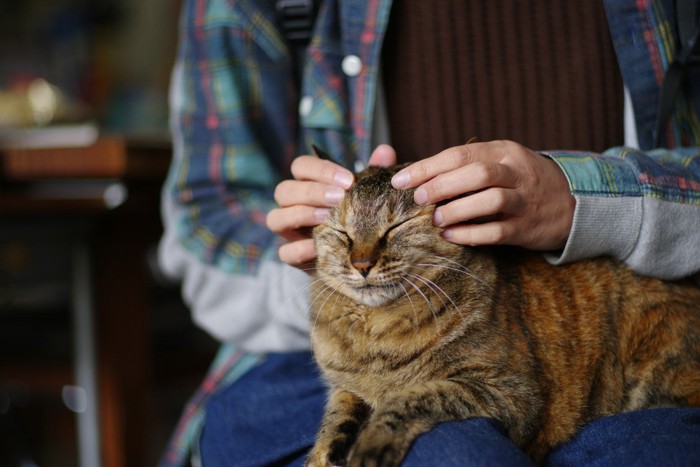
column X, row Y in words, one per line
column 602, row 226
column 653, row 237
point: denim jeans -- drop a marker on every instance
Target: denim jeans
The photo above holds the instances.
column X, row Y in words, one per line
column 270, row 417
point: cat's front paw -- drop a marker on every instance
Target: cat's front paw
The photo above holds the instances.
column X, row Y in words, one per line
column 378, row 450
column 317, row 461
column 320, row 457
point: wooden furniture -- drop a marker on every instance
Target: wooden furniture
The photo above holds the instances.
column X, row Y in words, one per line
column 98, row 207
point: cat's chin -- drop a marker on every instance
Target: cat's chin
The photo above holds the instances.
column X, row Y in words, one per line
column 372, row 295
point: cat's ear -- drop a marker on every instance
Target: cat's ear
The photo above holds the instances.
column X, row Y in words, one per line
column 368, row 172
column 375, row 169
column 320, row 153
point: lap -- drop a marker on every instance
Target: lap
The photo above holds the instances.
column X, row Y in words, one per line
column 270, row 417
column 651, row 437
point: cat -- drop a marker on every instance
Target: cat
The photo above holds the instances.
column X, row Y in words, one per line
column 411, row 330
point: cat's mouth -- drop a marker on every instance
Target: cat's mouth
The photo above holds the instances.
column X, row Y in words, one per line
column 369, row 288
column 374, row 294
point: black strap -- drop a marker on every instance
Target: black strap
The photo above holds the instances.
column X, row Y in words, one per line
column 296, row 20
column 688, row 22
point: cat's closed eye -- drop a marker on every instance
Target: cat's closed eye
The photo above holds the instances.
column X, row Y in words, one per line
column 394, row 227
column 343, row 236
column 404, row 227
column 392, row 231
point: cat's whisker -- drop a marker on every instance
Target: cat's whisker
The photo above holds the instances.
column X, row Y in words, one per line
column 465, row 270
column 333, row 290
column 326, row 286
column 437, row 289
column 315, row 323
column 285, row 274
column 305, row 287
column 410, row 300
column 461, row 269
column 330, row 293
column 326, row 292
column 427, row 300
column 335, row 262
column 335, row 304
column 291, row 270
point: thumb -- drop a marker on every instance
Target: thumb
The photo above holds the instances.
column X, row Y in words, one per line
column 383, row 156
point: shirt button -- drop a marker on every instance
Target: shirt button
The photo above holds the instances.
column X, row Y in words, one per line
column 351, row 65
column 305, row 105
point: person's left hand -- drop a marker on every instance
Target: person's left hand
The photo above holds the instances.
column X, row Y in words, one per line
column 305, row 202
column 517, row 196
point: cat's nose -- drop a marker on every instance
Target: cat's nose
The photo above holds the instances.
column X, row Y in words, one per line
column 364, row 265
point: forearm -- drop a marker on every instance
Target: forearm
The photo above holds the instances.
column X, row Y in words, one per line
column 641, row 208
column 228, row 156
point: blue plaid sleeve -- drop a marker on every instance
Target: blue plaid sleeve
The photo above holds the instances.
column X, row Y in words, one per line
column 670, row 175
column 232, row 132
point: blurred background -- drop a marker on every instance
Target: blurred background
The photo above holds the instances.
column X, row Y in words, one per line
column 97, row 353
column 108, row 59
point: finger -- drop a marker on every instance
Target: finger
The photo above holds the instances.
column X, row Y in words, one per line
column 490, row 233
column 383, row 156
column 293, row 192
column 294, row 218
column 311, row 168
column 309, row 267
column 472, row 177
column 447, row 160
column 299, row 234
column 298, row 253
column 482, row 204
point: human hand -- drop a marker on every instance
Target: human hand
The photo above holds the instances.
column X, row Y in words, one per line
column 306, row 200
column 521, row 197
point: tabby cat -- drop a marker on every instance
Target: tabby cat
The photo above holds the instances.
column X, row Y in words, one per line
column 411, row 330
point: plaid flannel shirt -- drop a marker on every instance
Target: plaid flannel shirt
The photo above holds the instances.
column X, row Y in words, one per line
column 239, row 129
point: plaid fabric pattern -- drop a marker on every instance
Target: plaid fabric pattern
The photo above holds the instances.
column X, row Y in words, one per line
column 235, row 118
column 670, row 175
column 646, row 41
column 340, row 118
column 236, row 110
column 230, row 117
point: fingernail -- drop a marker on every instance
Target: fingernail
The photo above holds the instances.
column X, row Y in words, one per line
column 321, row 214
column 421, row 196
column 401, row 179
column 343, row 179
column 334, row 195
column 437, row 218
column 447, row 234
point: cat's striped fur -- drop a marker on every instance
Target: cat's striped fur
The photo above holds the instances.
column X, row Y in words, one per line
column 411, row 330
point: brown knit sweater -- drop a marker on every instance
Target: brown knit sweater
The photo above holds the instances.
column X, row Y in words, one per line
column 540, row 72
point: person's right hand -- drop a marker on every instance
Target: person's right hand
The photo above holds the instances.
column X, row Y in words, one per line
column 306, row 200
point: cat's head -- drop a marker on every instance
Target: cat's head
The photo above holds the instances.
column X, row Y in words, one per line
column 377, row 239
